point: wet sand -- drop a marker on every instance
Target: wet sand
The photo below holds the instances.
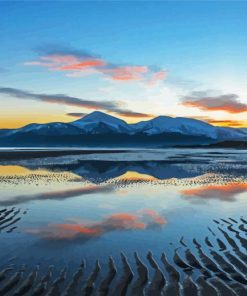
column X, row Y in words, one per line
column 18, row 154
column 215, row 266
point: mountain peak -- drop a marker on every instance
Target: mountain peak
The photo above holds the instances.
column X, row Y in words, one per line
column 98, row 116
column 91, row 122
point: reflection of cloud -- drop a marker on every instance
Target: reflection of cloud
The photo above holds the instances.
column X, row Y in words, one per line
column 115, row 222
column 226, row 102
column 57, row 195
column 222, row 192
column 79, row 63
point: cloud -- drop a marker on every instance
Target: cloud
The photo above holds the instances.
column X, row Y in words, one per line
column 78, row 63
column 59, row 99
column 228, row 102
column 76, row 114
column 221, row 192
column 231, row 123
column 223, row 122
column 84, row 231
column 121, row 112
column 110, row 106
column 128, row 113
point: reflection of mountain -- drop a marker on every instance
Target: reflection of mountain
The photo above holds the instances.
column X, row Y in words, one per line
column 102, row 130
column 99, row 171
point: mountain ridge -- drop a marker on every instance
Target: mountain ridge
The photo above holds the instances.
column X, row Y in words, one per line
column 99, row 128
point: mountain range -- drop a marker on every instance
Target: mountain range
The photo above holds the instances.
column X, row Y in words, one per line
column 99, row 129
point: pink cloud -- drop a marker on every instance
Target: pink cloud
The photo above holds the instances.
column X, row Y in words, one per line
column 125, row 73
column 77, row 64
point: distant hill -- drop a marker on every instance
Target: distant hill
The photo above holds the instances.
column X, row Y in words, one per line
column 223, row 144
column 98, row 129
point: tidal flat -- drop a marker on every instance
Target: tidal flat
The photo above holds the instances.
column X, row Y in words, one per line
column 158, row 222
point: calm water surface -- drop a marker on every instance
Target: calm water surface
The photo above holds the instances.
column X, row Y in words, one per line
column 96, row 205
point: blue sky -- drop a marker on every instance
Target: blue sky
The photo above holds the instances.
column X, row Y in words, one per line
column 183, row 58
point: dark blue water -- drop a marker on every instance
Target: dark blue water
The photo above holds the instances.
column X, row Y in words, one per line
column 96, row 207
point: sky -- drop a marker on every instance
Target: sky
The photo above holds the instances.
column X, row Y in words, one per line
column 131, row 59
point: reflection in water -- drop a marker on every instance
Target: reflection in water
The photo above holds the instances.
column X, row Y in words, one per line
column 145, row 219
column 190, row 271
column 108, row 176
column 19, row 175
column 57, row 195
column 131, row 176
column 118, row 205
column 225, row 192
column 101, row 171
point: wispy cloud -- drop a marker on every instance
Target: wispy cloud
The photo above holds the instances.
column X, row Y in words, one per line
column 76, row 114
column 110, row 106
column 223, row 122
column 59, row 99
column 231, row 123
column 227, row 102
column 128, row 113
column 115, row 222
column 78, row 63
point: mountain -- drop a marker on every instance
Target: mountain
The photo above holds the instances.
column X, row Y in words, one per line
column 102, row 130
column 98, row 122
column 186, row 126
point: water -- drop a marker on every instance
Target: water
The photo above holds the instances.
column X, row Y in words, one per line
column 93, row 206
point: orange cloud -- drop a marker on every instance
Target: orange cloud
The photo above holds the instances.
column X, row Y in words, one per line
column 223, row 122
column 126, row 72
column 82, row 65
column 81, row 62
column 228, row 103
column 229, row 123
column 114, row 222
column 158, row 76
column 222, row 192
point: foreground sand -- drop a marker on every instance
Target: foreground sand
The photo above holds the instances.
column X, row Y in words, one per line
column 217, row 266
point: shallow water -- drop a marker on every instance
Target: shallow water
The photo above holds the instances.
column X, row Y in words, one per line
column 93, row 206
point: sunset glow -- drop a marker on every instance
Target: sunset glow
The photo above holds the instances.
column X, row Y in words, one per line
column 133, row 69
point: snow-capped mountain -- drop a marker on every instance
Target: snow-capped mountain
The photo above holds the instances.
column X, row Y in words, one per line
column 53, row 128
column 100, row 129
column 165, row 124
column 99, row 122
